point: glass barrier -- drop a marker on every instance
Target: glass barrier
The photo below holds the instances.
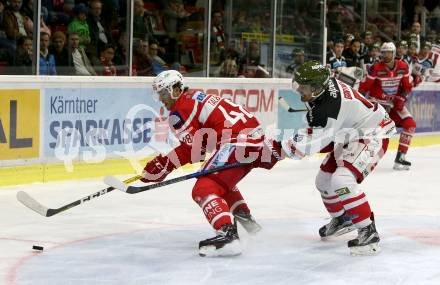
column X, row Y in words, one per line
column 84, row 38
column 299, row 35
column 94, row 37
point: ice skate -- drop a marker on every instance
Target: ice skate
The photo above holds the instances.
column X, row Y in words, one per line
column 400, row 163
column 337, row 226
column 367, row 241
column 226, row 243
column 247, row 221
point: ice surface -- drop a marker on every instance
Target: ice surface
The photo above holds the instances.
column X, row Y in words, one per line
column 152, row 237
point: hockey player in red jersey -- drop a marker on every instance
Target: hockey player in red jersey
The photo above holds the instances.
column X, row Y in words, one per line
column 388, row 83
column 355, row 134
column 210, row 123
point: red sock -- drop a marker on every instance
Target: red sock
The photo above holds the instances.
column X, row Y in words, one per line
column 359, row 208
column 405, row 140
column 334, row 207
column 236, row 201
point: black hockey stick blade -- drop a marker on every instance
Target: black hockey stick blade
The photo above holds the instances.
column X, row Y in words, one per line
column 34, row 205
column 116, row 183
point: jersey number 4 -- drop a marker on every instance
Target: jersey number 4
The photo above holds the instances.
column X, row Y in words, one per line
column 232, row 117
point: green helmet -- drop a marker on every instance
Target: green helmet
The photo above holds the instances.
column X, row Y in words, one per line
column 312, row 73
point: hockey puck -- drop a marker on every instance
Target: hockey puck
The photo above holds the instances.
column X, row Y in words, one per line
column 37, row 247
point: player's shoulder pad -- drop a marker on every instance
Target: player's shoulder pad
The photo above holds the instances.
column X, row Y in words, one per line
column 199, row 96
column 176, row 120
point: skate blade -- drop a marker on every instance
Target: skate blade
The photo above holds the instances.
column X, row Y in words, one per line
column 398, row 166
column 340, row 232
column 251, row 228
column 230, row 249
column 369, row 249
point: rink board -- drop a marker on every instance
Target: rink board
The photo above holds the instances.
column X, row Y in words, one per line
column 55, row 128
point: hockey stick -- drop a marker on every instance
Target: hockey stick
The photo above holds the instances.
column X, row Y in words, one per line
column 286, row 106
column 116, row 183
column 34, row 205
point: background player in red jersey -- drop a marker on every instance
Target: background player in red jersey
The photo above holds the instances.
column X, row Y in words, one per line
column 210, row 123
column 387, row 82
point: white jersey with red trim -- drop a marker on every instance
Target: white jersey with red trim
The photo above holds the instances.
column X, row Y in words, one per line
column 196, row 113
column 340, row 115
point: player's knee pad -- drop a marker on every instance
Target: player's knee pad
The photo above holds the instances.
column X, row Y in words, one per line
column 322, row 182
column 344, row 184
column 205, row 187
column 409, row 124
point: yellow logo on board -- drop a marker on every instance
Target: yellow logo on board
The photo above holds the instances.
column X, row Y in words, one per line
column 19, row 124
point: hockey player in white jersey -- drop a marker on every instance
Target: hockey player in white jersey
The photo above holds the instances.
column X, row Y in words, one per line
column 355, row 134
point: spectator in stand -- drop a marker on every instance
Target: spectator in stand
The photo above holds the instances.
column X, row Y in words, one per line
column 218, row 39
column 99, row 36
column 79, row 25
column 174, row 17
column 337, row 60
column 412, row 50
column 174, row 13
column 14, row 21
column 47, row 60
column 373, row 55
column 352, row 55
column 251, row 59
column 104, row 65
column 23, row 57
column 420, row 10
column 142, row 64
column 299, row 58
column 44, row 16
column 60, row 53
column 347, row 41
column 79, row 61
column 416, row 29
column 142, row 26
column 228, row 68
column 27, row 8
column 121, row 56
column 159, row 64
column 402, row 51
column 367, row 41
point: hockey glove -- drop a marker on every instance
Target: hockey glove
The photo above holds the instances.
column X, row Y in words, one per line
column 271, row 153
column 157, row 169
column 399, row 103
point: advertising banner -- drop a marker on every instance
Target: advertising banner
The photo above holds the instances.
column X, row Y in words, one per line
column 19, row 124
column 93, row 124
column 424, row 105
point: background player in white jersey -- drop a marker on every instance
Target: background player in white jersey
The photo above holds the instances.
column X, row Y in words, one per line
column 355, row 134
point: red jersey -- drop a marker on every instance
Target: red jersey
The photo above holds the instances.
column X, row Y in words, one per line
column 384, row 83
column 196, row 114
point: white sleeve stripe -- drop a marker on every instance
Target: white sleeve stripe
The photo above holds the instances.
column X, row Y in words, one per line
column 207, row 109
column 190, row 118
column 371, row 77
